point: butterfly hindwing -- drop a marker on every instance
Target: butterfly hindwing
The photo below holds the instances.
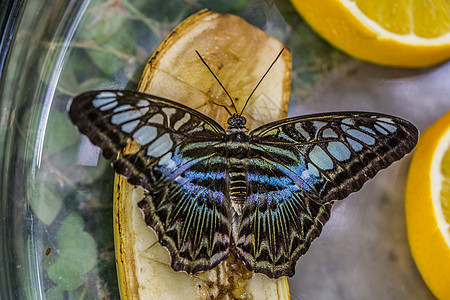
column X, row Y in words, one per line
column 191, row 216
column 278, row 222
column 299, row 167
column 176, row 164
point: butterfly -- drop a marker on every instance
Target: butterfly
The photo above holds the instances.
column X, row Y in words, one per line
column 263, row 195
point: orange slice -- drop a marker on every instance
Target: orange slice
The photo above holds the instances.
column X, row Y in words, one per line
column 408, row 33
column 428, row 207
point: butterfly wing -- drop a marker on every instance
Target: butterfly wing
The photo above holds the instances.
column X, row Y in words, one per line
column 176, row 164
column 299, row 167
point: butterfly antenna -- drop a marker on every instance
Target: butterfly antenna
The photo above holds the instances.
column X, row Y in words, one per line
column 232, row 102
column 276, row 58
column 224, row 106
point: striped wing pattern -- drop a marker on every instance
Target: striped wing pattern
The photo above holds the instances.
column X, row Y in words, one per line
column 294, row 169
column 184, row 203
column 301, row 166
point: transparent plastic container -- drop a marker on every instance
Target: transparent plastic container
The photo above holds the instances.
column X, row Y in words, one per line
column 56, row 231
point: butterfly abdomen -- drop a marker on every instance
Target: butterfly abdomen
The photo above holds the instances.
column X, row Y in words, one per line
column 237, row 154
column 238, row 183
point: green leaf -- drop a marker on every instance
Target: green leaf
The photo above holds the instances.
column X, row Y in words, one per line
column 45, row 204
column 76, row 78
column 224, row 5
column 107, row 40
column 54, row 293
column 77, row 254
column 101, row 22
column 112, row 54
column 164, row 11
column 60, row 132
column 108, row 63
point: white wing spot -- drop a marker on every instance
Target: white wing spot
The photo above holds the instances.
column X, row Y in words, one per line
column 354, row 144
column 165, row 159
column 302, row 131
column 329, row 133
column 169, row 111
column 388, row 127
column 143, row 110
column 142, row 103
column 128, row 115
column 345, row 127
column 106, row 95
column 109, row 106
column 311, row 171
column 130, row 126
column 318, row 124
column 182, row 121
column 156, row 118
column 380, row 129
column 359, row 135
column 102, row 101
column 348, row 121
column 338, row 150
column 366, row 129
column 145, row 135
column 320, row 158
column 124, row 117
column 122, row 108
column 160, row 146
column 387, row 120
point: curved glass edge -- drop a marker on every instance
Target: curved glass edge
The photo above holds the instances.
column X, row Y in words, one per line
column 9, row 16
column 22, row 88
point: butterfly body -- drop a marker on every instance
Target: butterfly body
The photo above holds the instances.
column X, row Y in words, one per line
column 263, row 194
column 236, row 151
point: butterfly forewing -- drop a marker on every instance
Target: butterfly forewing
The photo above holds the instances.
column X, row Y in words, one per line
column 177, row 165
column 330, row 156
column 299, row 167
column 111, row 118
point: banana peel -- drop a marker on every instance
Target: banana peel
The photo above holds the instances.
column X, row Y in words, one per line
column 239, row 54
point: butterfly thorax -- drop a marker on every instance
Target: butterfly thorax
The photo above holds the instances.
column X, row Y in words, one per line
column 237, row 154
column 237, row 137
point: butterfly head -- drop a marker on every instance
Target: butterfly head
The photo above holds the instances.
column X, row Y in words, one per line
column 236, row 121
